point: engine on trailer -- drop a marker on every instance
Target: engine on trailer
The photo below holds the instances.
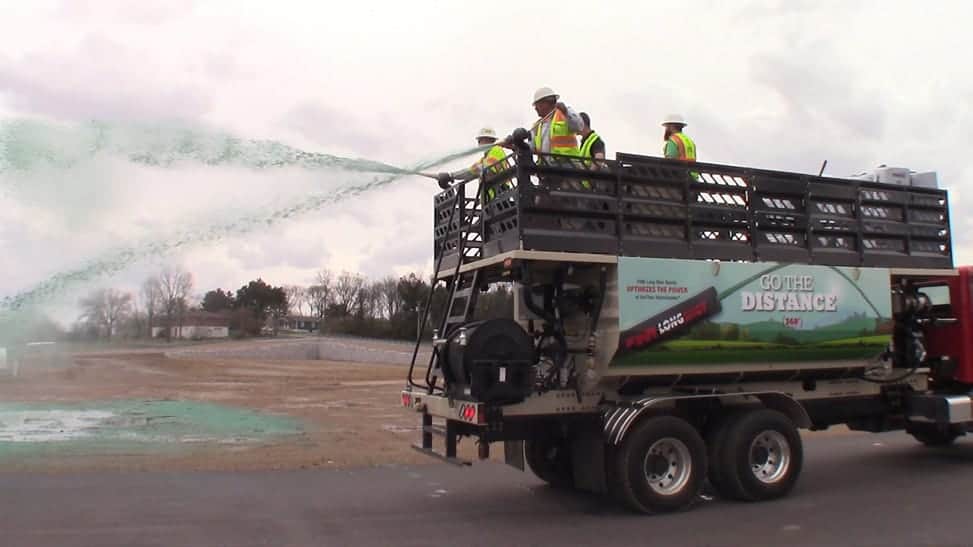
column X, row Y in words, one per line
column 491, row 361
column 562, row 308
column 911, row 309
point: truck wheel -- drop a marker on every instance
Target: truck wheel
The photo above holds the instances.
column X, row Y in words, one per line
column 715, row 439
column 933, row 436
column 550, row 459
column 660, row 466
column 760, row 457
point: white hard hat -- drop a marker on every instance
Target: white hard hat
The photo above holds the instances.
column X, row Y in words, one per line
column 674, row 118
column 544, row 93
column 486, row 133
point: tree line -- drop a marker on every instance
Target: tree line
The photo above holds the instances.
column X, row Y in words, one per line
column 338, row 303
column 163, row 299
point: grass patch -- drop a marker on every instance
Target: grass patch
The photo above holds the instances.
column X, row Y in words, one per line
column 685, row 345
column 876, row 340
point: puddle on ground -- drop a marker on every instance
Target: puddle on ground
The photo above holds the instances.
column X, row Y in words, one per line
column 49, row 425
column 111, row 425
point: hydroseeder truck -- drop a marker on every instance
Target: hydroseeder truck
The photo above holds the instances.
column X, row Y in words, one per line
column 678, row 323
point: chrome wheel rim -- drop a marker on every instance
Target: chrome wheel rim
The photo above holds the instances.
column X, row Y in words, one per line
column 667, row 466
column 770, row 456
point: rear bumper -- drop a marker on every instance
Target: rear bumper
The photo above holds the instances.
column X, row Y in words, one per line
column 444, row 407
column 510, row 424
column 551, row 403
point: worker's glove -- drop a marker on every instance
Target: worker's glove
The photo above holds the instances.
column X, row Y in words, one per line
column 444, row 180
column 520, row 135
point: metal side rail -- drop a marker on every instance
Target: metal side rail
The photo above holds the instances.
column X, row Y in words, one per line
column 650, row 207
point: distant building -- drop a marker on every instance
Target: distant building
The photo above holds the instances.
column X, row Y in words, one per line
column 195, row 325
column 300, row 322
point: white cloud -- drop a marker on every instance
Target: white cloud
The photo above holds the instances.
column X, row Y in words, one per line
column 775, row 84
column 144, row 12
column 101, row 79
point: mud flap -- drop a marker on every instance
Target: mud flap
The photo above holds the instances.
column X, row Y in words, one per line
column 513, row 454
column 588, row 457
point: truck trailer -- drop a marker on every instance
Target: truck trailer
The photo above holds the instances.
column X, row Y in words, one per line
column 675, row 325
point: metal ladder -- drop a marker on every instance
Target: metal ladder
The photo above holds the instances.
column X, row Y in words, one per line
column 463, row 293
column 469, row 292
column 462, row 304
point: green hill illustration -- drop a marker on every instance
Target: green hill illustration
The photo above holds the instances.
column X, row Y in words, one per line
column 857, row 337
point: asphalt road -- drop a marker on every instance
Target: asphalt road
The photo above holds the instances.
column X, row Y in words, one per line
column 861, row 490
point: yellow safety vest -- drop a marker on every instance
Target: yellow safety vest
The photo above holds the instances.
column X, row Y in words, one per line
column 685, row 146
column 585, row 152
column 686, row 149
column 494, row 161
column 563, row 140
column 589, row 141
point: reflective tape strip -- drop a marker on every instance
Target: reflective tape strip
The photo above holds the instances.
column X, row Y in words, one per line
column 564, row 141
column 681, row 146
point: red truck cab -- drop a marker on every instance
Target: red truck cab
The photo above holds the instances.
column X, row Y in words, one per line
column 951, row 335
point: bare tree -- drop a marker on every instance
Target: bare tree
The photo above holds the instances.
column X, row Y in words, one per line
column 319, row 294
column 151, row 301
column 347, row 291
column 318, row 298
column 175, row 285
column 389, row 291
column 297, row 298
column 136, row 320
column 105, row 308
column 370, row 300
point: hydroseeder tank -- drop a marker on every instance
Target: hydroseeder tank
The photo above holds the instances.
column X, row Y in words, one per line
column 678, row 323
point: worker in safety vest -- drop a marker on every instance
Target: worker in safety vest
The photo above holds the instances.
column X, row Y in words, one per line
column 678, row 145
column 592, row 145
column 592, row 148
column 493, row 160
column 556, row 130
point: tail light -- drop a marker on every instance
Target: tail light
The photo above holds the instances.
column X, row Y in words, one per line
column 471, row 413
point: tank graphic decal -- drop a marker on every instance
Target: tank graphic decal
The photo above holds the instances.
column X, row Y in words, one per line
column 686, row 312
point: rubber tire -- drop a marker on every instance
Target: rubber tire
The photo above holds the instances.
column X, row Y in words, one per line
column 715, row 439
column 733, row 456
column 628, row 477
column 550, row 459
column 933, row 437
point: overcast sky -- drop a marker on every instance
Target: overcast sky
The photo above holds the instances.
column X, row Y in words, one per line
column 775, row 84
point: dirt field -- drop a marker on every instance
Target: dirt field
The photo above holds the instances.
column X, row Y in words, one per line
column 346, row 414
column 141, row 410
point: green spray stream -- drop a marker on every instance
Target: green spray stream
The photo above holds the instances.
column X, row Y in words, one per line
column 35, row 155
column 25, row 146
